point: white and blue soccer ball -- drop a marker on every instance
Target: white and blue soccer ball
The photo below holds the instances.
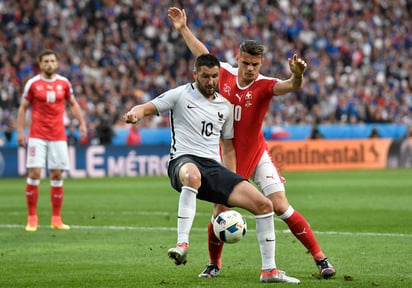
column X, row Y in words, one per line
column 230, row 226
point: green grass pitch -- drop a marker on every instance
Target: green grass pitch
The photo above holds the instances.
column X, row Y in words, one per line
column 123, row 227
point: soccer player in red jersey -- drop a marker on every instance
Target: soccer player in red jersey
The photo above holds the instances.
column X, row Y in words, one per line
column 47, row 94
column 251, row 92
column 202, row 123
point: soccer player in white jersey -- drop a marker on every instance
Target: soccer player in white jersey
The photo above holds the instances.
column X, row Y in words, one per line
column 47, row 93
column 251, row 92
column 200, row 119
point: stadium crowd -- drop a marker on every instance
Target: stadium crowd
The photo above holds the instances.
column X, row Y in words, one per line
column 121, row 53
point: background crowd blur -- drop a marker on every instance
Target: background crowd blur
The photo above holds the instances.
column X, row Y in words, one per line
column 120, row 53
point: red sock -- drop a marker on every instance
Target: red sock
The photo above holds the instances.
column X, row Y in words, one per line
column 32, row 194
column 301, row 229
column 215, row 247
column 56, row 198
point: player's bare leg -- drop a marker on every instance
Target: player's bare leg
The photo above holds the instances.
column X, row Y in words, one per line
column 300, row 228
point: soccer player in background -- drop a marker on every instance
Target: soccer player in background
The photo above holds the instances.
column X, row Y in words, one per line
column 201, row 118
column 47, row 93
column 251, row 92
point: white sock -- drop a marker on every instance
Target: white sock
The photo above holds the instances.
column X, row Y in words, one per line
column 287, row 213
column 186, row 213
column 265, row 232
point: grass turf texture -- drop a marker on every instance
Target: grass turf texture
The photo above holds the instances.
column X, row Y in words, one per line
column 123, row 227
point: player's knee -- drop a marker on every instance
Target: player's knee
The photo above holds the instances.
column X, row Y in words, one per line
column 280, row 202
column 56, row 175
column 34, row 173
column 190, row 178
column 264, row 206
column 219, row 208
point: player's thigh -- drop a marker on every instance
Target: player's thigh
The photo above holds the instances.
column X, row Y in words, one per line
column 175, row 167
column 267, row 176
column 248, row 197
column 189, row 175
column 36, row 153
column 58, row 155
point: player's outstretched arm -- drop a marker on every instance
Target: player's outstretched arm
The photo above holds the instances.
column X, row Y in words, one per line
column 138, row 112
column 297, row 66
column 179, row 20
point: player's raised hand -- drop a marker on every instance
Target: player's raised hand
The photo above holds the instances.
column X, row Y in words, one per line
column 130, row 117
column 178, row 17
column 297, row 65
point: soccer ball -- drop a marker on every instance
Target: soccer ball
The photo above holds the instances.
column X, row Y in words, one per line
column 230, row 226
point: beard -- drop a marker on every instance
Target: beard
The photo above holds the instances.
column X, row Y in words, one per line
column 206, row 91
column 49, row 71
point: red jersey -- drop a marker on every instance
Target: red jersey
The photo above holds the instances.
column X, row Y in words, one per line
column 250, row 106
column 48, row 101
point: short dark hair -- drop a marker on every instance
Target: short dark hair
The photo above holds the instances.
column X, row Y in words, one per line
column 252, row 47
column 46, row 52
column 207, row 60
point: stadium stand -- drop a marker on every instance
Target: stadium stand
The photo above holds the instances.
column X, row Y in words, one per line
column 120, row 53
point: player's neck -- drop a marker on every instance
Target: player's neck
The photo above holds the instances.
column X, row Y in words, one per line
column 243, row 82
column 48, row 76
column 207, row 96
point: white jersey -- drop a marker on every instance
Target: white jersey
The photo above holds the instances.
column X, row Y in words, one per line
column 197, row 123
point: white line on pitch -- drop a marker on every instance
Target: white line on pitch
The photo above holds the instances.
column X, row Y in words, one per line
column 137, row 228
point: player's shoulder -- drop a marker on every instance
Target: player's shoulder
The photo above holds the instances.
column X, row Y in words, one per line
column 173, row 95
column 222, row 99
column 34, row 79
column 225, row 66
column 182, row 91
column 264, row 78
column 62, row 78
column 188, row 90
column 188, row 87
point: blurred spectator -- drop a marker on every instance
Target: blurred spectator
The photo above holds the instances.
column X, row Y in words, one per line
column 133, row 136
column 72, row 136
column 104, row 124
column 315, row 133
column 7, row 126
column 91, row 137
column 105, row 132
column 3, row 140
column 374, row 133
column 408, row 132
column 122, row 53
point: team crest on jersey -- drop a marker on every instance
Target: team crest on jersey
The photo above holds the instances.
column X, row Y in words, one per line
column 220, row 116
column 248, row 99
column 39, row 87
column 226, row 88
column 59, row 87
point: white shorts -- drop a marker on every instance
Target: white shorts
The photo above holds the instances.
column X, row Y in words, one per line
column 56, row 152
column 267, row 177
